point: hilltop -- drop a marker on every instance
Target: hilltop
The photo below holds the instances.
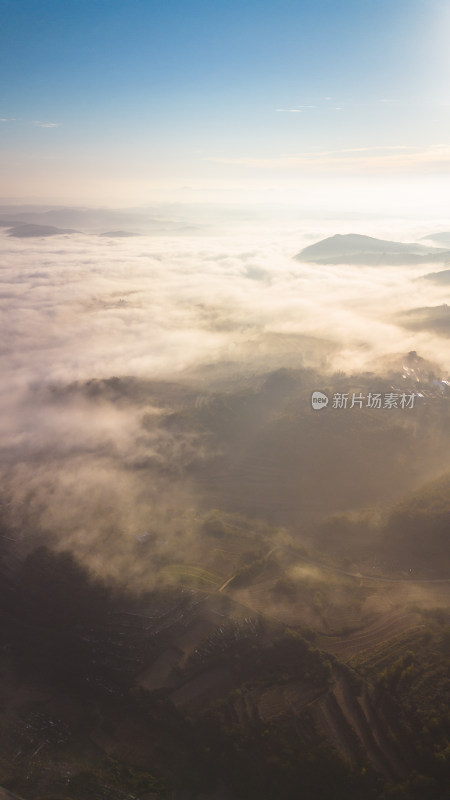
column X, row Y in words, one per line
column 354, row 248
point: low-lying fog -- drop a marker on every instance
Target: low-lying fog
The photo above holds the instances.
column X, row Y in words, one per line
column 76, row 308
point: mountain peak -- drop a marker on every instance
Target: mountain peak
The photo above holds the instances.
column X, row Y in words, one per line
column 357, row 248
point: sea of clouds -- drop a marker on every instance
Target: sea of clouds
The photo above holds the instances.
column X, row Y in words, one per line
column 83, row 307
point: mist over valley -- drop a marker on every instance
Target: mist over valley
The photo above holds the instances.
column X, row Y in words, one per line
column 196, row 562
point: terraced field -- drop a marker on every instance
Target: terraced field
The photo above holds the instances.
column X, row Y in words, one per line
column 350, row 720
column 190, row 575
column 382, row 629
column 343, row 715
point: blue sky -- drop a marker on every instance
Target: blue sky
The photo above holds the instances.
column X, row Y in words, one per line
column 128, row 100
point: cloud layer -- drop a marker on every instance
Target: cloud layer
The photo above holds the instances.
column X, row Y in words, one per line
column 78, row 310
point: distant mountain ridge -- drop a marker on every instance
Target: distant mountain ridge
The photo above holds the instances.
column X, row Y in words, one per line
column 24, row 230
column 438, row 277
column 442, row 239
column 95, row 220
column 118, row 234
column 355, row 248
column 435, row 319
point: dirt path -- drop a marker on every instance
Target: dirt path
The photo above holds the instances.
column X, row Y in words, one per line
column 380, row 578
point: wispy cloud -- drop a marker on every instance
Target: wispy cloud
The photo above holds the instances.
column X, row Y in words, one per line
column 297, row 110
column 401, row 158
column 40, row 124
column 7, row 119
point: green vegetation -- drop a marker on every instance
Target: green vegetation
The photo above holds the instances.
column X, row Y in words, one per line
column 411, row 675
column 186, row 687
